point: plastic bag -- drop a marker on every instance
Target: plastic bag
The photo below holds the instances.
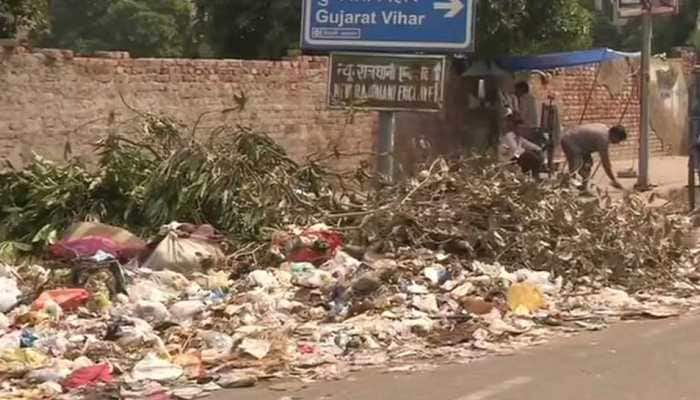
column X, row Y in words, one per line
column 84, row 248
column 27, row 339
column 524, row 298
column 4, row 322
column 100, row 303
column 88, row 239
column 89, row 376
column 342, row 265
column 10, row 340
column 55, row 373
column 9, row 294
column 52, row 345
column 541, row 279
column 18, row 361
column 263, row 279
column 67, row 299
column 218, row 280
column 315, row 245
column 152, row 311
column 148, row 291
column 220, row 342
column 152, row 368
column 186, row 309
column 130, row 331
column 308, row 276
column 436, row 274
column 184, row 254
column 257, row 348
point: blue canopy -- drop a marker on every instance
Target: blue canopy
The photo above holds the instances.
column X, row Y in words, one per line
column 561, row 60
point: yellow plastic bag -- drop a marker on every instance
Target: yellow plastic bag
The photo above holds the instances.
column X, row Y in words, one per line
column 20, row 361
column 524, row 298
column 100, row 303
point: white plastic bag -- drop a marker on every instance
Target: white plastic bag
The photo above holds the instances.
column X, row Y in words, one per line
column 185, row 255
column 152, row 311
column 185, row 310
column 257, row 348
column 263, row 279
column 152, row 368
column 9, row 294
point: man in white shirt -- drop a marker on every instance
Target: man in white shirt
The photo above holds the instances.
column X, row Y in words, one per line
column 517, row 149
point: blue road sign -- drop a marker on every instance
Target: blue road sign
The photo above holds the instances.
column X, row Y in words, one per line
column 391, row 25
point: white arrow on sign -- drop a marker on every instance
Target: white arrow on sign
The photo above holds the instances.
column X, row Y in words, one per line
column 454, row 7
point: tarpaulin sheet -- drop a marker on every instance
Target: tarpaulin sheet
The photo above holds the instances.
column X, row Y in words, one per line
column 561, row 60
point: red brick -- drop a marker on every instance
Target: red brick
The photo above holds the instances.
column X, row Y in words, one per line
column 282, row 98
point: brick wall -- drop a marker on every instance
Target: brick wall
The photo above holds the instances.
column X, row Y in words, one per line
column 48, row 97
column 572, row 88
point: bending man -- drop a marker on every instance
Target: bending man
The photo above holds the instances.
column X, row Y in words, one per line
column 581, row 142
column 517, row 149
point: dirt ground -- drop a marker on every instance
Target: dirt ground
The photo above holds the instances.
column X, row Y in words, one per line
column 669, row 175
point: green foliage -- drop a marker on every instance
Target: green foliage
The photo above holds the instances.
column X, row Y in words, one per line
column 236, row 180
column 145, row 28
column 531, row 26
column 38, row 200
column 266, row 29
column 668, row 31
column 247, row 28
column 606, row 34
column 23, row 16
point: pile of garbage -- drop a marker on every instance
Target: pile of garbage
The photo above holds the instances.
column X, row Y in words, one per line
column 244, row 185
column 179, row 327
column 292, row 271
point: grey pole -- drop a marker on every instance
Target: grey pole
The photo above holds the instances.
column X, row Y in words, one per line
column 645, row 112
column 385, row 148
column 693, row 121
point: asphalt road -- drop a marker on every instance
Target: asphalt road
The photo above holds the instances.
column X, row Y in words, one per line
column 637, row 360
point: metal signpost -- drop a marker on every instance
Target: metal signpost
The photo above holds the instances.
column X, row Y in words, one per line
column 393, row 82
column 373, row 81
column 646, row 9
column 693, row 133
column 388, row 83
column 645, row 112
column 433, row 26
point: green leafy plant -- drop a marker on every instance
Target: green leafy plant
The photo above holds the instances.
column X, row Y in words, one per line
column 235, row 179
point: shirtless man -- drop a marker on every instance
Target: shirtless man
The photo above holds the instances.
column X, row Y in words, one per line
column 580, row 142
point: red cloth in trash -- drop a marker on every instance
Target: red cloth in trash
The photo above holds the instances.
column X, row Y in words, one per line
column 68, row 299
column 333, row 241
column 88, row 246
column 89, row 376
column 84, row 247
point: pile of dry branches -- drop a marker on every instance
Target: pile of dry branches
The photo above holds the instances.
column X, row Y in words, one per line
column 486, row 213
